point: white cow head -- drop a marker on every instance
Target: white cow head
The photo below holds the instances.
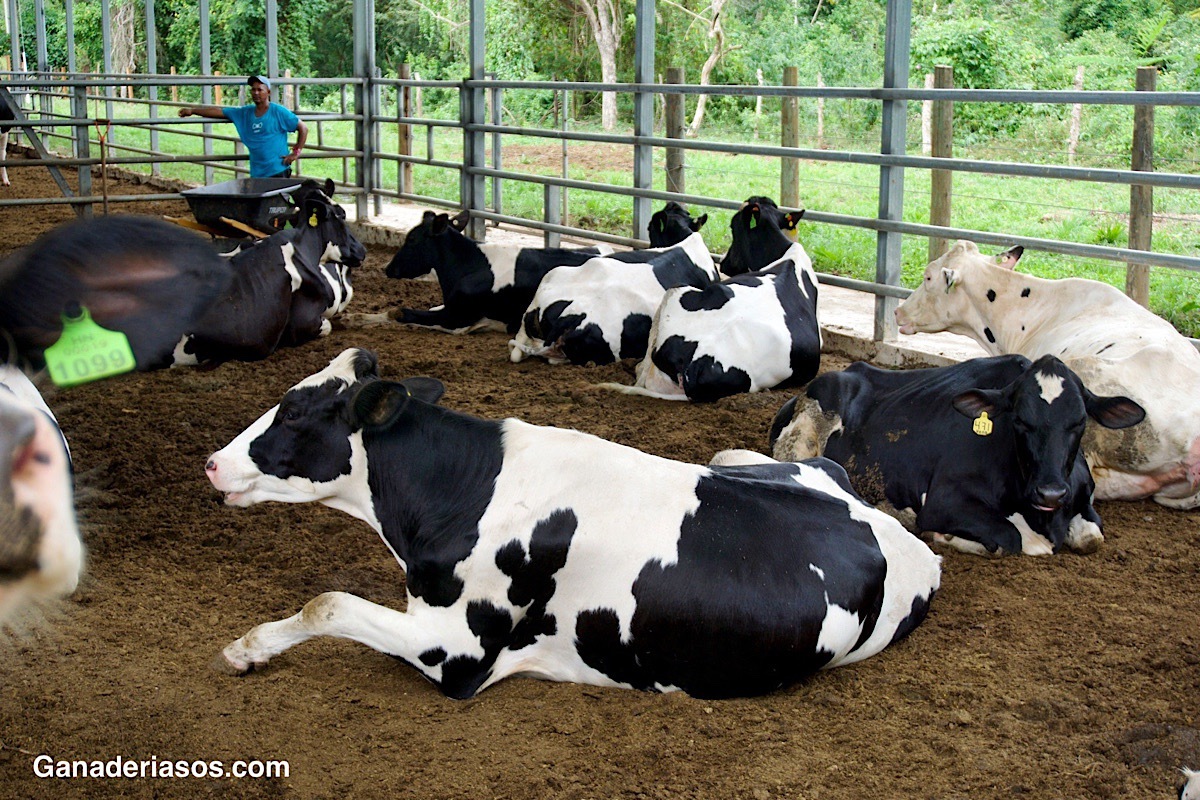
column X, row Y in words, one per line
column 950, row 288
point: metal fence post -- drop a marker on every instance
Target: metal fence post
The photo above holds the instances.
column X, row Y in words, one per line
column 552, row 214
column 891, row 179
column 1141, row 198
column 79, row 110
column 643, row 116
column 676, row 181
column 472, row 186
column 941, row 181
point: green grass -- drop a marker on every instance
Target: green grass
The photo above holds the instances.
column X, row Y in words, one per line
column 1073, row 211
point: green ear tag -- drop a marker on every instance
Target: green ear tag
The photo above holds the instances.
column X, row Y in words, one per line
column 982, row 425
column 86, row 352
column 753, row 223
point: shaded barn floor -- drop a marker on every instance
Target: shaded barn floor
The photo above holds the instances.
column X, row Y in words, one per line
column 1038, row 678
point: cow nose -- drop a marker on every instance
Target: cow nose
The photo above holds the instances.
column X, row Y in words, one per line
column 211, row 466
column 1050, row 498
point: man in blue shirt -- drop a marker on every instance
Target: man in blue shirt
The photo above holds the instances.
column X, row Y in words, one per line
column 263, row 128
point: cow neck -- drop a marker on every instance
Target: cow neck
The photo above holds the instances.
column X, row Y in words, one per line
column 431, row 474
column 459, row 258
column 1016, row 322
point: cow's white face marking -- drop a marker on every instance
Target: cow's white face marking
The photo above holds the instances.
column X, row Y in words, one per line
column 1052, row 386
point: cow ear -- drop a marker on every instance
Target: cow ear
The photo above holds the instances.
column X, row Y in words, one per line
column 441, row 222
column 791, row 218
column 377, row 404
column 951, row 277
column 459, row 221
column 429, row 390
column 698, row 222
column 1009, row 258
column 328, row 188
column 1113, row 412
column 974, row 402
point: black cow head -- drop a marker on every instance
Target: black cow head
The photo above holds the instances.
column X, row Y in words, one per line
column 1047, row 408
column 306, row 190
column 328, row 219
column 758, row 235
column 434, row 241
column 673, row 224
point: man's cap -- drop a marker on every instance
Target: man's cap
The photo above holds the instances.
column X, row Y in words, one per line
column 253, row 79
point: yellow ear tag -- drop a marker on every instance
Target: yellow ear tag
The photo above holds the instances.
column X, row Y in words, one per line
column 312, row 221
column 982, row 425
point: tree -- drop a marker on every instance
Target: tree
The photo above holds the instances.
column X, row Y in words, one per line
column 716, row 32
column 607, row 24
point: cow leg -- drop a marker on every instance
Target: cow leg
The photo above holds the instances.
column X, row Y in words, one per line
column 3, row 158
column 336, row 614
column 440, row 318
column 973, row 528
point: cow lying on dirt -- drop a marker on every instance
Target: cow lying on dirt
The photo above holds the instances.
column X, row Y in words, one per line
column 558, row 555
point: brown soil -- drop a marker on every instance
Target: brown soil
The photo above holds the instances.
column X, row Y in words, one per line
column 1064, row 677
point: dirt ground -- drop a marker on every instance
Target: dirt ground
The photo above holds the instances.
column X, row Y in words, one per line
column 1063, row 677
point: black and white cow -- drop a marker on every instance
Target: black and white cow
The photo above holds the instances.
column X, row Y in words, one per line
column 1190, row 790
column 554, row 554
column 985, row 453
column 41, row 554
column 754, row 331
column 1114, row 345
column 6, row 115
column 672, row 224
column 758, row 238
column 135, row 274
column 602, row 310
column 484, row 286
column 284, row 292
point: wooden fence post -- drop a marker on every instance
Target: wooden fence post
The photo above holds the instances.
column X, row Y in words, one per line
column 675, row 128
column 758, row 107
column 1076, row 120
column 941, row 146
column 289, row 91
column 1141, row 198
column 218, row 97
column 174, row 89
column 789, row 168
column 405, row 131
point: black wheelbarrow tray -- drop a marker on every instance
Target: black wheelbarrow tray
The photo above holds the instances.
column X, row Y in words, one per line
column 237, row 208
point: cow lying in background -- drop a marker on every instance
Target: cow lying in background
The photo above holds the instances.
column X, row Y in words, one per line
column 672, row 224
column 758, row 238
column 1113, row 344
column 753, row 331
column 1190, row 790
column 284, row 292
column 6, row 115
column 41, row 555
column 555, row 554
column 601, row 311
column 984, row 453
column 484, row 286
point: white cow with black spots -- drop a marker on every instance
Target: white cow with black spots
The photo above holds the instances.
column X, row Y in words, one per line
column 1114, row 345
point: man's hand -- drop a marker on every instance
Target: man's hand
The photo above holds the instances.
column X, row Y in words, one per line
column 186, row 111
column 293, row 156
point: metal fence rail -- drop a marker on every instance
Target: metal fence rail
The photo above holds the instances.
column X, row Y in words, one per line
column 379, row 102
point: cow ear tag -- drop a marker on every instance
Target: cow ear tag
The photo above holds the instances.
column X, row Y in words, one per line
column 753, row 223
column 86, row 352
column 312, row 220
column 982, row 425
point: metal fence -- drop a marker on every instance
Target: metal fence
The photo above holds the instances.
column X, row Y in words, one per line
column 65, row 139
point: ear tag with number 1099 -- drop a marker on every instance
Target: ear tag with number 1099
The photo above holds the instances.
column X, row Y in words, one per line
column 87, row 352
column 982, row 425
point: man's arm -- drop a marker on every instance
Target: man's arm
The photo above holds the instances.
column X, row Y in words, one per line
column 212, row 112
column 301, row 138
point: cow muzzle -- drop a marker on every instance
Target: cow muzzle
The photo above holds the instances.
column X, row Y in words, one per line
column 1049, row 498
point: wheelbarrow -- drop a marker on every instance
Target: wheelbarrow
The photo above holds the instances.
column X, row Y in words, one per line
column 255, row 207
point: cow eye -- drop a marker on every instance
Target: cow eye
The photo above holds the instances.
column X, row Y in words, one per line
column 289, row 414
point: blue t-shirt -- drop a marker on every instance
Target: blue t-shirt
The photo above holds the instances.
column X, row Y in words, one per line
column 265, row 137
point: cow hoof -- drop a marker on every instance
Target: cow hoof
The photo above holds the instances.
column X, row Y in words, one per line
column 226, row 664
column 1084, row 537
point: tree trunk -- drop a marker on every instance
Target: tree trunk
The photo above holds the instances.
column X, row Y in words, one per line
column 717, row 34
column 604, row 16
